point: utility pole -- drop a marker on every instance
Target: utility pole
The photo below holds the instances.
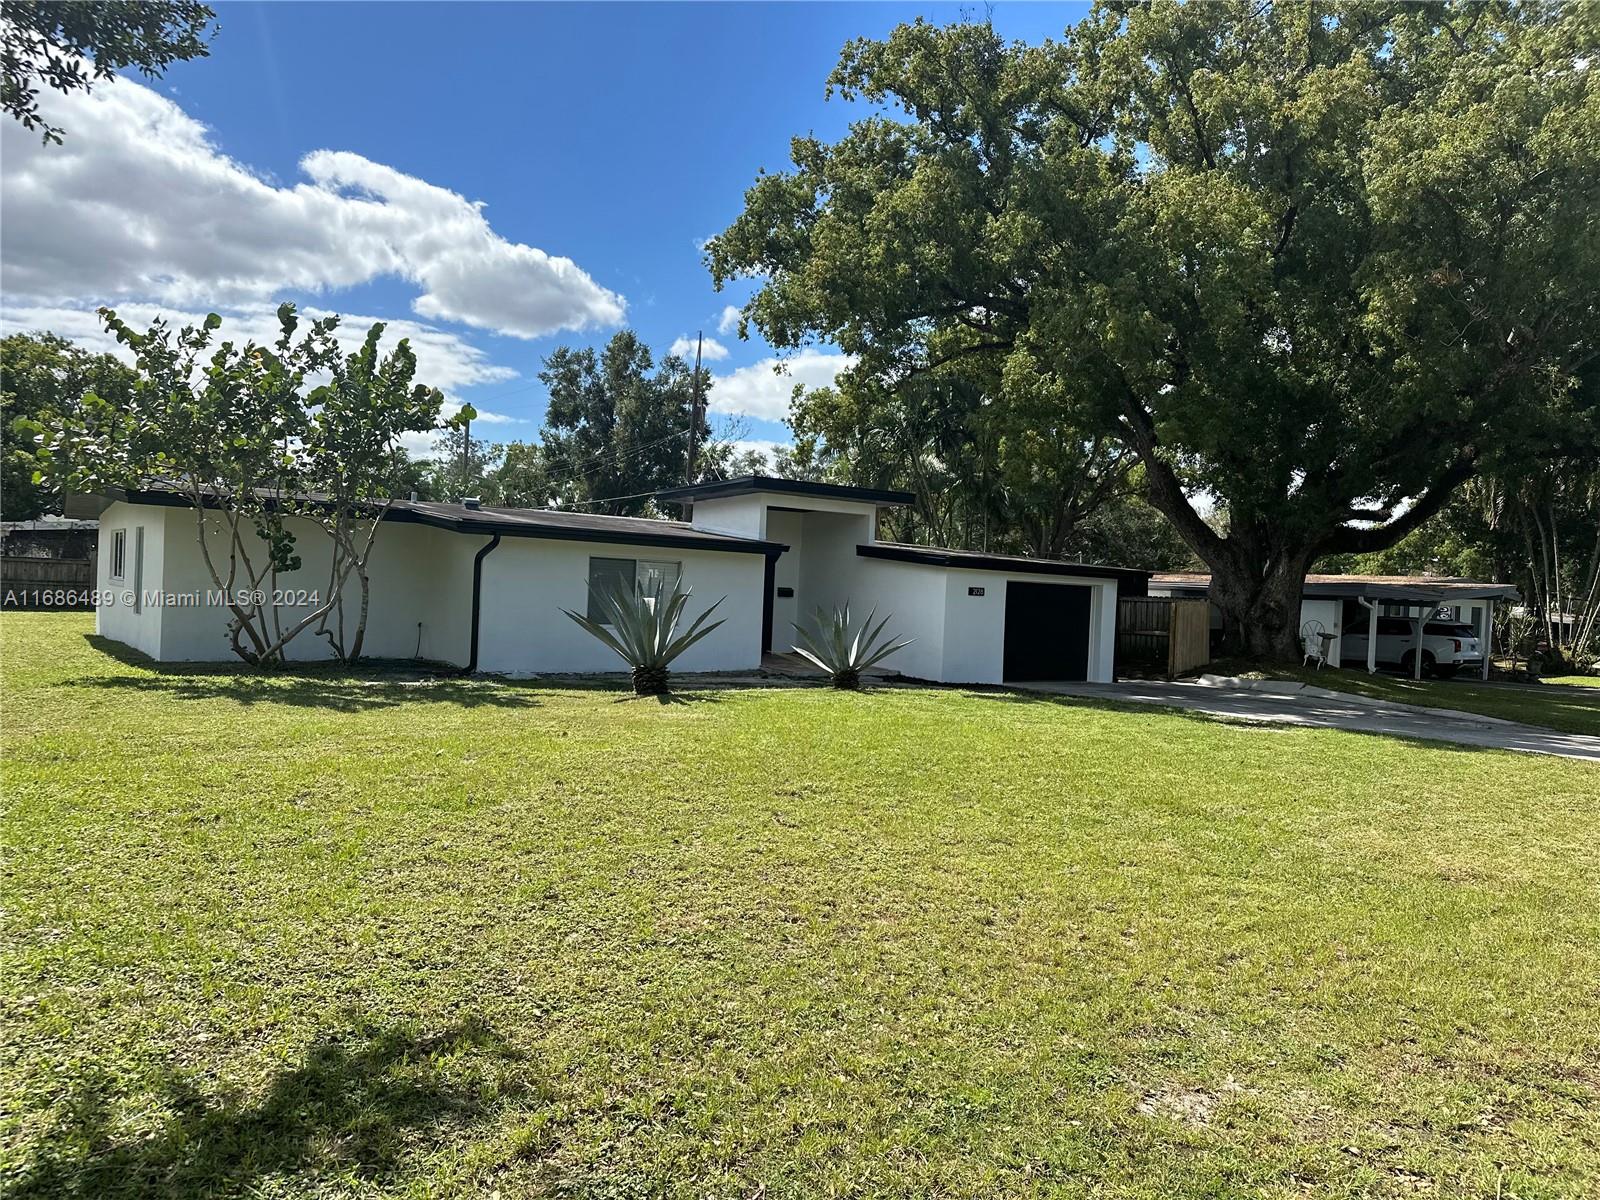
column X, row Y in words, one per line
column 466, row 456
column 694, row 412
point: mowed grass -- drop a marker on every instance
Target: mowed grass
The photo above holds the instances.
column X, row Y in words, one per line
column 1569, row 709
column 311, row 936
column 1587, row 681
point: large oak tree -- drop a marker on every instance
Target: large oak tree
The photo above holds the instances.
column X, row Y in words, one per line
column 1315, row 264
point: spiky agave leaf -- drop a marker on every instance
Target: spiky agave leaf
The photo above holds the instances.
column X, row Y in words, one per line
column 833, row 648
column 642, row 629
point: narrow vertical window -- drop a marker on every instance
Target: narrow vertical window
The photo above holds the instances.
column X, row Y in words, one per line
column 138, row 569
column 119, row 547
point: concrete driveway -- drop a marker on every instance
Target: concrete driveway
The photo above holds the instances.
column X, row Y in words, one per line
column 1324, row 709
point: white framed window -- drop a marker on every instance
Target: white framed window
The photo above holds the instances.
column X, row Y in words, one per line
column 643, row 574
column 119, row 552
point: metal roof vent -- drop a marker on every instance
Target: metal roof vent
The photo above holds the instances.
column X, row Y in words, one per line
column 471, row 502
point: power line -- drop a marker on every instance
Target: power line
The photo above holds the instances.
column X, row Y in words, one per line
column 610, row 499
column 583, row 467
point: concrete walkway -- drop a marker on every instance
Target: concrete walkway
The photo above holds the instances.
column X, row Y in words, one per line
column 1319, row 708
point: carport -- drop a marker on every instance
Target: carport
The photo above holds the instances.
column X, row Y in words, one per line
column 1417, row 597
column 1426, row 597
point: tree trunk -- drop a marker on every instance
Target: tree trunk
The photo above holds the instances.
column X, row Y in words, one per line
column 1260, row 609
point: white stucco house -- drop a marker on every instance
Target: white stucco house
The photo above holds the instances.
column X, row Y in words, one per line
column 483, row 588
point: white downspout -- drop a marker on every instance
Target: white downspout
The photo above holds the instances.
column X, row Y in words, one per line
column 1372, row 634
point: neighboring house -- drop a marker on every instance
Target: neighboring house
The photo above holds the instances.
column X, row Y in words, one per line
column 483, row 588
column 49, row 537
column 47, row 563
column 1354, row 603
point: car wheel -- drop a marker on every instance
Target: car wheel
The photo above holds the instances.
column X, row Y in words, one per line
column 1408, row 664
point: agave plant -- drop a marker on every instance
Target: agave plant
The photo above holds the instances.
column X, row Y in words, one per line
column 831, row 646
column 643, row 628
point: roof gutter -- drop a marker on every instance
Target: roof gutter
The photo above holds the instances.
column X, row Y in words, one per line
column 477, row 597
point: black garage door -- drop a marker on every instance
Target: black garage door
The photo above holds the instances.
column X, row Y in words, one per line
column 1047, row 631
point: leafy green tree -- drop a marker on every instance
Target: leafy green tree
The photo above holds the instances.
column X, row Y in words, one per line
column 41, row 374
column 1319, row 262
column 617, row 425
column 239, row 432
column 462, row 465
column 520, row 477
column 351, row 459
column 1006, row 477
column 68, row 45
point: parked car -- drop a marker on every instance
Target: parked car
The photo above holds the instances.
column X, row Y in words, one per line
column 1447, row 646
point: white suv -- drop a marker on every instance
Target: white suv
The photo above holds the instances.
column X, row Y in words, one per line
column 1447, row 646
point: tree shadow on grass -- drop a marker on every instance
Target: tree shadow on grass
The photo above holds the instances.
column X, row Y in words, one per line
column 358, row 1104
column 344, row 689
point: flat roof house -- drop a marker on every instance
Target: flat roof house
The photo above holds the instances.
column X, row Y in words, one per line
column 483, row 588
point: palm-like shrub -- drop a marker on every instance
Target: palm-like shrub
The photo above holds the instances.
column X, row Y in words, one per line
column 842, row 655
column 643, row 628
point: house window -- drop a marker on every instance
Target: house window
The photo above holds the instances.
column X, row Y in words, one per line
column 644, row 574
column 658, row 574
column 119, row 552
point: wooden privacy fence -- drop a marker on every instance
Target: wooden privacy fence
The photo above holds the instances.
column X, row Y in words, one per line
column 46, row 582
column 1162, row 634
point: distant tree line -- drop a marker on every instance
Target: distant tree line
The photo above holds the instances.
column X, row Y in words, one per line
column 616, row 430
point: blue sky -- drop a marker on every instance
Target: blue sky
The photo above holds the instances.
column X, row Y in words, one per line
column 617, row 136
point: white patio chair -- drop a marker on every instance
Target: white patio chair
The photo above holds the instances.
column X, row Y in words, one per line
column 1314, row 641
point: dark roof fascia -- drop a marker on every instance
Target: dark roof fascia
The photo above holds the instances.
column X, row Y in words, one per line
column 933, row 556
column 1406, row 592
column 556, row 533
column 1398, row 592
column 750, row 484
column 402, row 514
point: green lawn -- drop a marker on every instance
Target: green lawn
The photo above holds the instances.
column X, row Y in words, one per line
column 306, row 935
column 1588, row 681
column 1570, row 709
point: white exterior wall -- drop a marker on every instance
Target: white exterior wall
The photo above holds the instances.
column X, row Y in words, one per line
column 1329, row 612
column 912, row 596
column 741, row 516
column 411, row 576
column 830, row 569
column 527, row 582
column 116, row 616
column 788, row 528
column 975, row 626
column 421, row 596
column 961, row 637
column 751, row 516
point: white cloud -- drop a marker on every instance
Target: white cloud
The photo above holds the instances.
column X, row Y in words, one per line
column 141, row 204
column 728, row 322
column 444, row 360
column 684, row 347
column 764, row 389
